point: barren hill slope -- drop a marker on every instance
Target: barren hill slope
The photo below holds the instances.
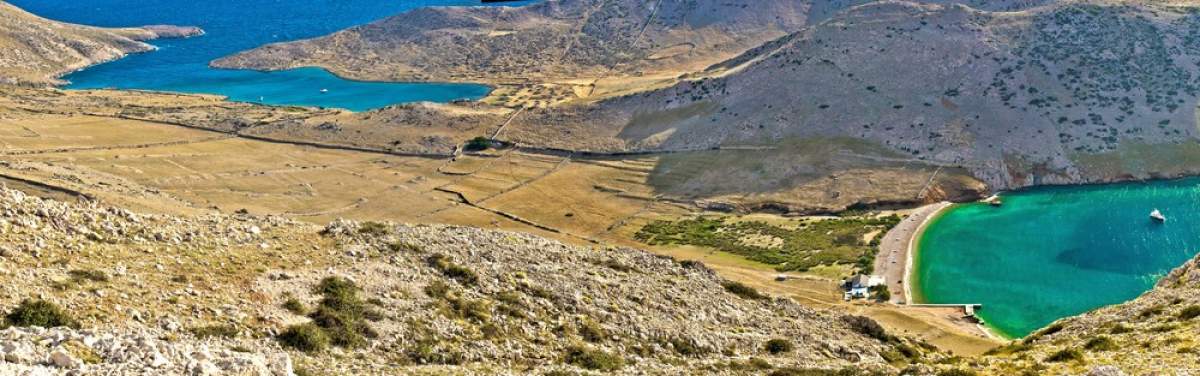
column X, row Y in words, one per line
column 551, row 40
column 34, row 50
column 214, row 292
column 1071, row 91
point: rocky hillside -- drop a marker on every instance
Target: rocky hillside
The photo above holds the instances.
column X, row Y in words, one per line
column 1066, row 92
column 1158, row 333
column 262, row 295
column 34, row 50
column 555, row 39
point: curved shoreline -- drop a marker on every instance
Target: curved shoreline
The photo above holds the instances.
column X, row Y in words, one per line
column 929, row 214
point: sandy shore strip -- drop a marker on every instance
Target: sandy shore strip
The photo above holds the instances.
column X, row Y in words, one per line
column 897, row 247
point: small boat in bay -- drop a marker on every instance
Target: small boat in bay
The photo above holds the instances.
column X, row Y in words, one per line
column 323, row 91
column 1157, row 216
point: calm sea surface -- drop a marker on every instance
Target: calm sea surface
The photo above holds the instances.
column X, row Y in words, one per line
column 181, row 65
column 1048, row 253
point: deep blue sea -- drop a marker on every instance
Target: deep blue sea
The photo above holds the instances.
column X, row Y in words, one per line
column 181, row 65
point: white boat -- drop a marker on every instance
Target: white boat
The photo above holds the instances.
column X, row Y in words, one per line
column 323, row 91
column 1157, row 216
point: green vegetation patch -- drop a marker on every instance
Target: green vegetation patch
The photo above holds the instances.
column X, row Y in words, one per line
column 810, row 244
column 742, row 290
column 341, row 319
column 593, row 359
column 40, row 313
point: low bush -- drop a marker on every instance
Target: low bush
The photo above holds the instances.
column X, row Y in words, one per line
column 456, row 272
column 593, row 359
column 1190, row 312
column 373, row 229
column 36, row 312
column 1100, row 343
column 478, row 144
column 1065, row 355
column 305, row 337
column 778, row 346
column 742, row 290
column 868, row 327
column 294, row 305
column 341, row 319
column 88, row 275
column 591, row 331
column 225, row 331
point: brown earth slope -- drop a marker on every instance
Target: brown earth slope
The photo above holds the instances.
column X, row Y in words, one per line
column 34, row 50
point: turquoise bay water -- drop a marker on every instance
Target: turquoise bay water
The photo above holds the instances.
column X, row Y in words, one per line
column 1054, row 252
column 181, row 65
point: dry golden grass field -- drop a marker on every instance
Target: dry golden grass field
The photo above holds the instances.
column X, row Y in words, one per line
column 596, row 201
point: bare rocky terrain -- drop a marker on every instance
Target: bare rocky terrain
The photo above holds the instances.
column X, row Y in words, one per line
column 1068, row 92
column 34, row 50
column 208, row 293
column 567, row 39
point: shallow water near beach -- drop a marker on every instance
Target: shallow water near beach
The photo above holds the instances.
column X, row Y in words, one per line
column 181, row 65
column 1054, row 252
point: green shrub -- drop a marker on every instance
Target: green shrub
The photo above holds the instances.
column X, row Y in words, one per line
column 880, row 293
column 1100, row 343
column 1065, row 355
column 1055, row 328
column 478, row 144
column 88, row 275
column 437, row 289
column 294, row 305
column 373, row 229
column 686, row 347
column 225, row 331
column 396, row 247
column 868, row 327
column 39, row 313
column 456, row 272
column 591, row 331
column 1190, row 312
column 957, row 372
column 341, row 319
column 305, row 337
column 778, row 346
column 739, row 289
column 593, row 359
column 1120, row 329
column 471, row 309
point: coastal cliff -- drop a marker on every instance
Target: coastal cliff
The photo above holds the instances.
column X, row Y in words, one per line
column 37, row 51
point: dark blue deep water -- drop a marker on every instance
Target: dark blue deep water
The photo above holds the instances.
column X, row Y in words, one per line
column 181, row 65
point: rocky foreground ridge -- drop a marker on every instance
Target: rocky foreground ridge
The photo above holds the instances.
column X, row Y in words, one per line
column 219, row 293
column 36, row 51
